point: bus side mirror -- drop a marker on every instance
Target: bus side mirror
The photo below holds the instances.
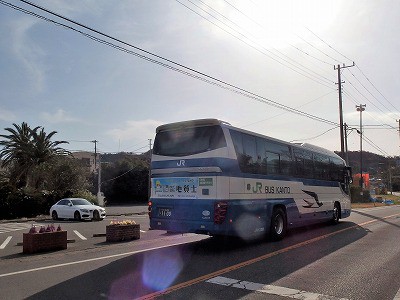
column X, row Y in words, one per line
column 349, row 174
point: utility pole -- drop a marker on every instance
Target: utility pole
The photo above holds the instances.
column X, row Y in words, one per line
column 150, row 147
column 361, row 108
column 149, row 189
column 345, row 144
column 95, row 154
column 97, row 168
column 399, row 127
column 338, row 67
column 99, row 196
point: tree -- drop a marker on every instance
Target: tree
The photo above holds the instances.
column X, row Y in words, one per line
column 126, row 180
column 24, row 149
column 62, row 175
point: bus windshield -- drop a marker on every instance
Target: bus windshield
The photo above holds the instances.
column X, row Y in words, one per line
column 188, row 141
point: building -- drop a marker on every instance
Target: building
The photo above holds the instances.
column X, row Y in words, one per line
column 87, row 159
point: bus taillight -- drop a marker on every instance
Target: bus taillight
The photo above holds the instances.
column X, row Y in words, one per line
column 220, row 210
column 149, row 209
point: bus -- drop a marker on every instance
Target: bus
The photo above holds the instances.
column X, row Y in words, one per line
column 209, row 177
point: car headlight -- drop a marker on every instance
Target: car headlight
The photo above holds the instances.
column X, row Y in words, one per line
column 84, row 210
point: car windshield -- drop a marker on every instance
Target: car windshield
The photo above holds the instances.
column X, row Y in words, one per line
column 80, row 202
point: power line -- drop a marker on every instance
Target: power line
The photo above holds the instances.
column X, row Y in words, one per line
column 197, row 75
column 355, row 76
column 355, row 101
column 298, row 49
column 287, row 63
column 364, row 97
column 280, row 114
column 329, row 45
column 261, row 26
column 186, row 70
column 376, row 88
column 314, row 137
column 372, row 144
column 368, row 140
column 370, row 93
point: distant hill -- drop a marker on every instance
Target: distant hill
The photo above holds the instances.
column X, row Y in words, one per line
column 372, row 163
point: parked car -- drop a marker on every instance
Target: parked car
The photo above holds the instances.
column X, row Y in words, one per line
column 78, row 209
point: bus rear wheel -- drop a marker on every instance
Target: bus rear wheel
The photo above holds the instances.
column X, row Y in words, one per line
column 278, row 224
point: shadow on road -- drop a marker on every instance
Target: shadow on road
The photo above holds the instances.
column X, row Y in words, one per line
column 384, row 220
column 156, row 270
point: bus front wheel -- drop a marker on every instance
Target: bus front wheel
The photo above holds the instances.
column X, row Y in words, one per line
column 278, row 224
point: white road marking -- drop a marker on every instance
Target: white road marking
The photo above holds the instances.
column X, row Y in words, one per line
column 5, row 243
column 142, row 231
column 397, row 297
column 90, row 260
column 270, row 289
column 80, row 235
column 9, row 227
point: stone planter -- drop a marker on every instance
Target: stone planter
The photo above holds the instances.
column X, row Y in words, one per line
column 47, row 241
column 118, row 233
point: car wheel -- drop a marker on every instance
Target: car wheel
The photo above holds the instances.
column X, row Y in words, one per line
column 54, row 215
column 77, row 216
column 278, row 224
column 96, row 215
column 336, row 214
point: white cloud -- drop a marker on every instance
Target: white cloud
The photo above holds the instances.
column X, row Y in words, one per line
column 28, row 52
column 60, row 116
column 6, row 115
column 135, row 131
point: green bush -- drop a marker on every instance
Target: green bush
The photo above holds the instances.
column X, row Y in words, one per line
column 20, row 203
column 86, row 195
column 356, row 197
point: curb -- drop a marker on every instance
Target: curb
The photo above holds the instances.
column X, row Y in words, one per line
column 48, row 218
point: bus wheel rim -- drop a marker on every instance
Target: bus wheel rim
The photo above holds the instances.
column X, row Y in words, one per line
column 335, row 213
column 278, row 224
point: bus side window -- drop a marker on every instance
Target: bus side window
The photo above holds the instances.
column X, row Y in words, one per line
column 262, row 162
column 279, row 158
column 304, row 163
column 273, row 163
column 321, row 167
column 238, row 144
column 250, row 152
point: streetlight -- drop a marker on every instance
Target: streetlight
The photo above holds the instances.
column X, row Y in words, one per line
column 361, row 108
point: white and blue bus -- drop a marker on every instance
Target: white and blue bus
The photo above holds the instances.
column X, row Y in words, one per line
column 209, row 177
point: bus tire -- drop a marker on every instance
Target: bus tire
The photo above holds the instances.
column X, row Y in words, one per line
column 278, row 225
column 336, row 214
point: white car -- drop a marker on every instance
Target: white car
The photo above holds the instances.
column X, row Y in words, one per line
column 78, row 209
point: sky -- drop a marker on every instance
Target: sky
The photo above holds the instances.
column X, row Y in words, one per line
column 284, row 52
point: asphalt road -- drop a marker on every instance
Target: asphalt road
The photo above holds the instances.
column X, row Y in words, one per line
column 357, row 259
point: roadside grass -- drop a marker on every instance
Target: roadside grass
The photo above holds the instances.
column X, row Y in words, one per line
column 395, row 198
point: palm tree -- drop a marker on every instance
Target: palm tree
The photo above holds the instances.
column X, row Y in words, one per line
column 25, row 148
column 44, row 149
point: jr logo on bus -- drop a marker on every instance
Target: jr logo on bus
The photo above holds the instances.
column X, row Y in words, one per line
column 258, row 188
column 181, row 163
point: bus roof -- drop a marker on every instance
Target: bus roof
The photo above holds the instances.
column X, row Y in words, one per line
column 191, row 123
column 210, row 122
column 318, row 149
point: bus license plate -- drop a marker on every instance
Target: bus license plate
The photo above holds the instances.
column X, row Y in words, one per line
column 164, row 212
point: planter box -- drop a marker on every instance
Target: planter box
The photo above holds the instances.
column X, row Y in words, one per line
column 118, row 233
column 47, row 241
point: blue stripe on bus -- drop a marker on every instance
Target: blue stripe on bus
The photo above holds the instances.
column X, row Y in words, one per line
column 223, row 163
column 229, row 168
